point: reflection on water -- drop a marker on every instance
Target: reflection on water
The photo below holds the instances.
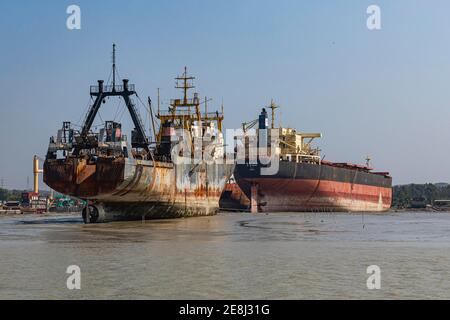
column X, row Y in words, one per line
column 228, row 256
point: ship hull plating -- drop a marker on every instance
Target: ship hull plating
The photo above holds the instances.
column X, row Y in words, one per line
column 128, row 189
column 313, row 187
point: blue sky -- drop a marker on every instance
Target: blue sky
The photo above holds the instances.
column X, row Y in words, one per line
column 384, row 93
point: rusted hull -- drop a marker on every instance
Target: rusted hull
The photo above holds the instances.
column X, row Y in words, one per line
column 309, row 187
column 128, row 189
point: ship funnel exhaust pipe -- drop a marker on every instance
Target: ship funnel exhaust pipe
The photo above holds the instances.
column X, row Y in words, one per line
column 100, row 85
column 263, row 119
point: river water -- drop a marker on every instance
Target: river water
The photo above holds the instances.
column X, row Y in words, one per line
column 228, row 256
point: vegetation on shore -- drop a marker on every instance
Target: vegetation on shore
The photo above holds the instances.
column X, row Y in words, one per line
column 15, row 195
column 10, row 195
column 403, row 194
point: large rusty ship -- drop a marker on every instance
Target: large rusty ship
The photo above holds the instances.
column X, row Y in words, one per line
column 304, row 181
column 130, row 179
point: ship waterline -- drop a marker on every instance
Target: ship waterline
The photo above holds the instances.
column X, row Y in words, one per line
column 279, row 195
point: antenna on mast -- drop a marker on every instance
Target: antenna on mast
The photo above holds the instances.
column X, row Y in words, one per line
column 114, row 67
column 158, row 101
column 187, row 83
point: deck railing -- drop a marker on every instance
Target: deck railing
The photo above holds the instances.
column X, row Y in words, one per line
column 111, row 88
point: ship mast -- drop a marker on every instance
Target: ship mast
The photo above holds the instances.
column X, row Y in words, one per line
column 114, row 68
column 100, row 92
column 185, row 85
column 368, row 159
column 158, row 100
column 179, row 113
column 273, row 106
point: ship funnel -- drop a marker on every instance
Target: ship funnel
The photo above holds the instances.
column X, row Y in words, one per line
column 125, row 84
column 100, row 85
column 263, row 119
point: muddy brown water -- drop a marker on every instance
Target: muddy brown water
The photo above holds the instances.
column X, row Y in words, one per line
column 228, row 256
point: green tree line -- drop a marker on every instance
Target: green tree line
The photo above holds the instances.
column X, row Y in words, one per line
column 10, row 195
column 402, row 195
